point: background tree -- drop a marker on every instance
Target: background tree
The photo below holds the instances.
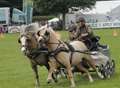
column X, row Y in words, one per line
column 60, row 6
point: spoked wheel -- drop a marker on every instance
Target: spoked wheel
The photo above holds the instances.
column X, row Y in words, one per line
column 112, row 67
column 103, row 70
column 107, row 70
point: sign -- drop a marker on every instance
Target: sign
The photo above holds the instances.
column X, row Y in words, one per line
column 28, row 10
column 104, row 24
column 4, row 15
column 18, row 16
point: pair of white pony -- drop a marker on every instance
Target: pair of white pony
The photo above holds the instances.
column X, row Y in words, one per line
column 46, row 35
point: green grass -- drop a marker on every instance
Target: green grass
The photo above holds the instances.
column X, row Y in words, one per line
column 15, row 70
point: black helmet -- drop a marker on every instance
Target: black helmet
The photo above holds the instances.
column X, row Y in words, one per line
column 81, row 19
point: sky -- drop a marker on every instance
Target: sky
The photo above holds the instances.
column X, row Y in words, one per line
column 105, row 6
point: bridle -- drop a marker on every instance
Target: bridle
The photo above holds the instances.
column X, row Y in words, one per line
column 46, row 41
column 59, row 48
column 27, row 46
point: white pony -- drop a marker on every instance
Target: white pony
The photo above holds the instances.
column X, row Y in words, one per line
column 60, row 54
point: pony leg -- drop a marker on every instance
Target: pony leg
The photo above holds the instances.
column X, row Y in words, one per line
column 92, row 64
column 35, row 70
column 81, row 68
column 51, row 70
column 66, row 62
column 70, row 76
column 54, row 77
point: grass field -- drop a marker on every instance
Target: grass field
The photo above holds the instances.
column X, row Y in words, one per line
column 15, row 70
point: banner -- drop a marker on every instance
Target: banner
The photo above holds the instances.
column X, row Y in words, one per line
column 28, row 10
column 104, row 24
column 4, row 15
column 18, row 16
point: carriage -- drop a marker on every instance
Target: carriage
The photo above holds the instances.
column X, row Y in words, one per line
column 101, row 56
column 103, row 61
column 105, row 65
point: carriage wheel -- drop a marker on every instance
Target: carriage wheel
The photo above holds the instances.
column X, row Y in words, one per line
column 104, row 69
column 105, row 72
column 108, row 69
column 112, row 67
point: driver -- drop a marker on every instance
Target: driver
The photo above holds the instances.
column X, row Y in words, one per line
column 83, row 32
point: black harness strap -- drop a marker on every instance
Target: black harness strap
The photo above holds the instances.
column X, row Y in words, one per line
column 56, row 52
column 71, row 55
column 85, row 52
column 36, row 52
column 72, row 51
column 64, row 49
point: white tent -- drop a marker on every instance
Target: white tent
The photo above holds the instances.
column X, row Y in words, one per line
column 53, row 20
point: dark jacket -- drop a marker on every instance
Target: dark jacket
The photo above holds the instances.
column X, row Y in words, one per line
column 83, row 33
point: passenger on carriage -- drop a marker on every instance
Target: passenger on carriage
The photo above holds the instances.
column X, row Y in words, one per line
column 81, row 31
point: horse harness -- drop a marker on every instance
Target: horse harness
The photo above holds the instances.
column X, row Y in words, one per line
column 34, row 53
column 67, row 49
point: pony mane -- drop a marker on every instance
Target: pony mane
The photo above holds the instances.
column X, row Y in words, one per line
column 33, row 27
column 43, row 27
column 49, row 29
column 58, row 36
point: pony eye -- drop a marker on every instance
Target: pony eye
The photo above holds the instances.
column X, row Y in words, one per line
column 19, row 40
column 38, row 33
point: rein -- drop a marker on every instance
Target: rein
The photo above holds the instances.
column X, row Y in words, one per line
column 57, row 50
column 64, row 49
column 34, row 52
column 60, row 42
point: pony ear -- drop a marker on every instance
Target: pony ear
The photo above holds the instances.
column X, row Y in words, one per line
column 19, row 40
column 38, row 33
column 47, row 33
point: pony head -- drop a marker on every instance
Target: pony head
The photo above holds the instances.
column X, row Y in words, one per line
column 46, row 35
column 43, row 36
column 28, row 42
column 28, row 38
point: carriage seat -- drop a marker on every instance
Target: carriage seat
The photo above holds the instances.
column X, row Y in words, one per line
column 103, row 46
column 95, row 45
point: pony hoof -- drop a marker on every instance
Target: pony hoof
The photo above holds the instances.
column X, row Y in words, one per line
column 91, row 81
column 72, row 86
column 102, row 77
column 55, row 80
column 37, row 87
column 49, row 81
